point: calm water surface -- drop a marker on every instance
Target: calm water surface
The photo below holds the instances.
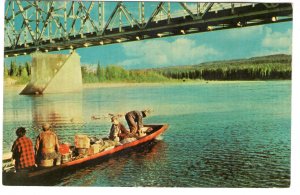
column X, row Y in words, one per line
column 220, row 135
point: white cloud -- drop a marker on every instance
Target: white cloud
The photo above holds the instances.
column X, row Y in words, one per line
column 278, row 41
column 274, row 42
column 163, row 53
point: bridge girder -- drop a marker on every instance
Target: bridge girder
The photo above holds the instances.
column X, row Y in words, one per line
column 55, row 25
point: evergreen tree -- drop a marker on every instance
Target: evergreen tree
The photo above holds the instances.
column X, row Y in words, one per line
column 98, row 71
column 24, row 73
column 19, row 71
column 6, row 72
column 84, row 71
column 28, row 68
column 13, row 69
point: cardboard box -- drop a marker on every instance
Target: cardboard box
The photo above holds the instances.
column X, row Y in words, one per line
column 82, row 141
column 94, row 149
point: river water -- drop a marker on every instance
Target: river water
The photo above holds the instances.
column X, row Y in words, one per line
column 234, row 134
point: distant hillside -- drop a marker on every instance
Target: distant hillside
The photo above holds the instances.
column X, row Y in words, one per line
column 279, row 58
column 256, row 68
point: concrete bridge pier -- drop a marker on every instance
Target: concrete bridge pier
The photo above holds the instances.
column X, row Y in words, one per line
column 54, row 73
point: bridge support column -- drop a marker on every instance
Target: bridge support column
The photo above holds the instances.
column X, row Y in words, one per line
column 54, row 73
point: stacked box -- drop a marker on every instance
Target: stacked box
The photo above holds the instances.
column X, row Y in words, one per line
column 94, row 149
column 82, row 141
column 82, row 151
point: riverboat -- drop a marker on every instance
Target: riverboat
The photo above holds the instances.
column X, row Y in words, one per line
column 44, row 175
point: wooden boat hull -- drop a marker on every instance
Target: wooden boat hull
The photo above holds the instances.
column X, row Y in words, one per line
column 40, row 173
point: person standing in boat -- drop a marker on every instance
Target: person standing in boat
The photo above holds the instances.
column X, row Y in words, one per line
column 22, row 151
column 135, row 121
column 118, row 132
column 47, row 146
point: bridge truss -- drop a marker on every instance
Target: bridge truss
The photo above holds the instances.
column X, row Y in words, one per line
column 59, row 25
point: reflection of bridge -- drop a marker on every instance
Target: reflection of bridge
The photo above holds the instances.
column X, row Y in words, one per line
column 56, row 25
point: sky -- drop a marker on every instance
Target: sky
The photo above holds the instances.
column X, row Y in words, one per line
column 190, row 49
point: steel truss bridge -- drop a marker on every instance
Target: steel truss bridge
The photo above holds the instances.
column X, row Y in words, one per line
column 59, row 25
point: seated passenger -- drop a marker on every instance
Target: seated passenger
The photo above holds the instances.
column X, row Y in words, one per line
column 22, row 152
column 47, row 147
column 118, row 131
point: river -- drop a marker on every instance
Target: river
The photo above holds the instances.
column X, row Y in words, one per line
column 230, row 134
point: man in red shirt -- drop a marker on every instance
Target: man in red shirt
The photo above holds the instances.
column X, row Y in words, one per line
column 23, row 152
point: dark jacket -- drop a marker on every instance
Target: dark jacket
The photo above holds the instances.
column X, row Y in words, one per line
column 135, row 116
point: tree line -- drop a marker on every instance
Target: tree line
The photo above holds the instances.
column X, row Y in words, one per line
column 115, row 73
column 264, row 72
column 260, row 68
column 19, row 72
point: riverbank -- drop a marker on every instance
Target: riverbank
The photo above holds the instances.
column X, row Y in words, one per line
column 19, row 87
column 190, row 82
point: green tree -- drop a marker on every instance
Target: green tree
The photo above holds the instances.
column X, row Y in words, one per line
column 19, row 71
column 6, row 72
column 100, row 73
column 28, row 68
column 83, row 71
column 13, row 71
column 23, row 72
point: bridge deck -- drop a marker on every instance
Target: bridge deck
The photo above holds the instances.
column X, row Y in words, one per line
column 57, row 28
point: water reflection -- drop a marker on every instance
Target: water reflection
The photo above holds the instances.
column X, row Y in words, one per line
column 117, row 170
column 64, row 112
column 57, row 109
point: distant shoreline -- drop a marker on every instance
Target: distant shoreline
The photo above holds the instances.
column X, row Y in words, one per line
column 144, row 84
column 117, row 85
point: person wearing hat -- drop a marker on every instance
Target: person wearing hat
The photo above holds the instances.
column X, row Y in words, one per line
column 47, row 146
column 118, row 132
column 135, row 121
column 22, row 151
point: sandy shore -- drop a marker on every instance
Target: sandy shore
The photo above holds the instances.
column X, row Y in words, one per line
column 14, row 87
column 116, row 85
column 112, row 85
column 120, row 85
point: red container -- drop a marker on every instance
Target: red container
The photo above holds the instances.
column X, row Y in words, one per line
column 64, row 149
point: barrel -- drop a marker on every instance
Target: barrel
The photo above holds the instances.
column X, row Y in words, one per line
column 65, row 158
column 46, row 163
